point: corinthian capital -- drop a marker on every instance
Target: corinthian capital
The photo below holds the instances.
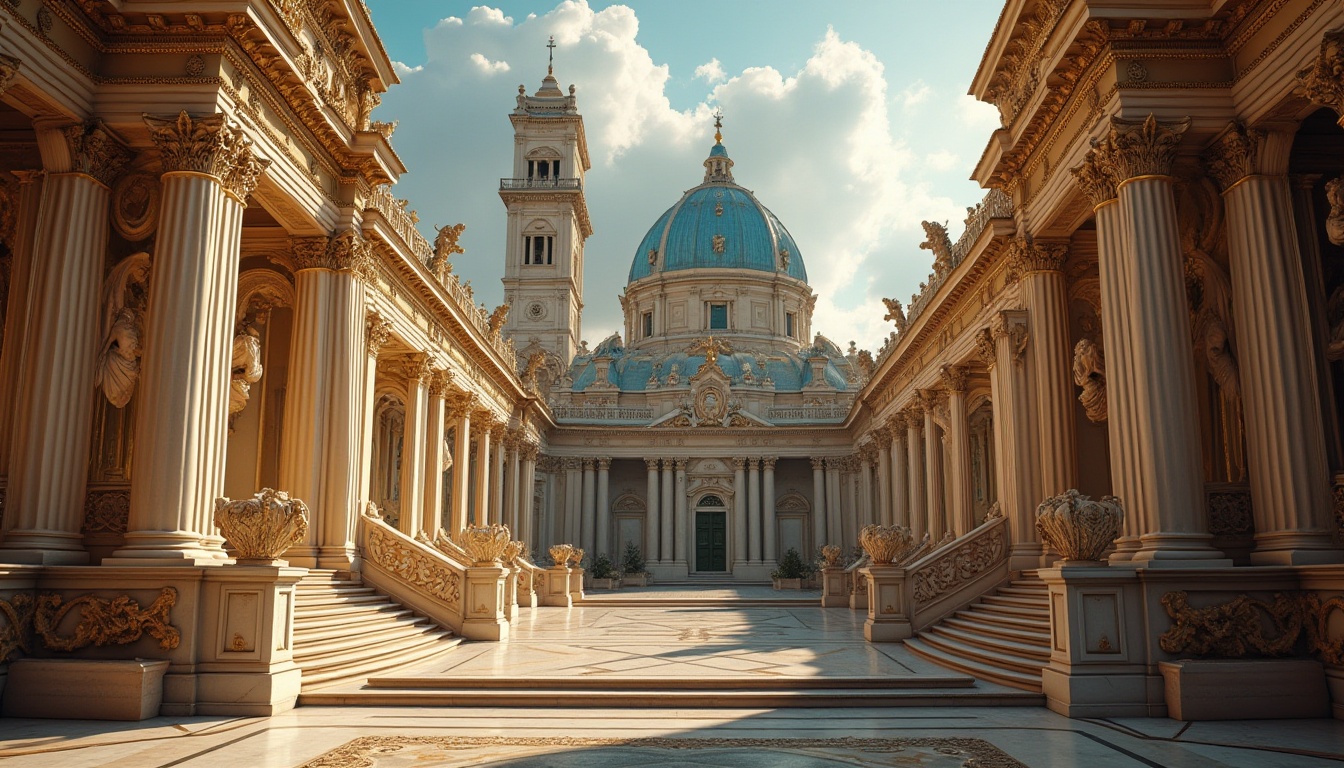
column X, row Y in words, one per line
column 1232, row 156
column 955, row 377
column 9, row 69
column 984, row 347
column 86, row 148
column 1027, row 256
column 1323, row 82
column 377, row 330
column 205, row 144
column 242, row 177
column 345, row 251
column 1145, row 147
column 1097, row 175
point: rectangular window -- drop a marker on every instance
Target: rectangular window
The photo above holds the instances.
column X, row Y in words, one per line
column 646, row 320
column 537, row 249
column 718, row 317
column 788, row 324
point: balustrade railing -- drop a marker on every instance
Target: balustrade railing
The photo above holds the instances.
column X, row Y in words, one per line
column 954, row 575
column 806, row 412
column 601, row 413
column 413, row 573
column 541, row 182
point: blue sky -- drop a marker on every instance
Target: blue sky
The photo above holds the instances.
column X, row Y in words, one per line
column 848, row 119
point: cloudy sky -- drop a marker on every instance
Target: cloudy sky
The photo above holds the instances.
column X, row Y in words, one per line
column 848, row 119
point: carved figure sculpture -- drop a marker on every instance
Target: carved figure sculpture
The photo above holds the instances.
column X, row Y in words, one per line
column 936, row 240
column 125, row 296
column 1210, row 297
column 445, row 246
column 1334, row 221
column 497, row 319
column 1089, row 372
column 246, row 369
column 895, row 313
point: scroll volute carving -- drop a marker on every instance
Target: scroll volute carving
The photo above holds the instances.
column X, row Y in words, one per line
column 125, row 298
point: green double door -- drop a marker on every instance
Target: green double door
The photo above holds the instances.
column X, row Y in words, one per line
column 711, row 541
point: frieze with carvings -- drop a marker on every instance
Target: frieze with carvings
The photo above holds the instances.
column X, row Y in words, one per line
column 1229, row 512
column 18, row 614
column 106, row 621
column 412, row 566
column 106, row 511
column 1248, row 626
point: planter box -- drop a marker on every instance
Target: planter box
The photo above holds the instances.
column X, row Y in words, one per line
column 635, row 580
column 1245, row 690
column 788, row 583
column 606, row 583
column 82, row 689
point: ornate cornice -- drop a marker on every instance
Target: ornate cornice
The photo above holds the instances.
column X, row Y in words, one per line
column 377, row 330
column 1145, row 147
column 1323, row 81
column 9, row 70
column 1097, row 176
column 94, row 152
column 1232, row 156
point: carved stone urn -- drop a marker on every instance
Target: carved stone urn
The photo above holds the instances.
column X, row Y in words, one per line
column 1079, row 528
column 261, row 528
column 830, row 554
column 886, row 544
column 485, row 545
column 576, row 557
column 560, row 555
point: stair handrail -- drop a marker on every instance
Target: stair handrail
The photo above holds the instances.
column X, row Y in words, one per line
column 450, row 549
column 948, row 577
column 414, row 573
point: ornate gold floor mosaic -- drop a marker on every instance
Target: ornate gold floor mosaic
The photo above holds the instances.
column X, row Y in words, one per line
column 565, row 752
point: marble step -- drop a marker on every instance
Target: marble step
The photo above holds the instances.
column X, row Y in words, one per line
column 1029, row 624
column 617, row 600
column 1025, row 592
column 703, row 698
column 1027, row 603
column 1014, row 611
column 318, row 644
column 975, row 625
column 652, row 684
column 356, row 668
column 324, row 599
column 1037, row 654
column 346, row 620
column 1026, row 681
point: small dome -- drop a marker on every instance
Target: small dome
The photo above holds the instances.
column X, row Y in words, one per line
column 718, row 225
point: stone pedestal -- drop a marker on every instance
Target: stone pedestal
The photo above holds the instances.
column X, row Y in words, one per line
column 246, row 658
column 576, row 584
column 1097, row 656
column 1246, row 689
column 510, row 593
column 85, row 689
column 555, row 591
column 483, row 613
column 888, row 610
column 834, row 588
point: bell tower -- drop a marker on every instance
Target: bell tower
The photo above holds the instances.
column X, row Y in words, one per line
column 547, row 221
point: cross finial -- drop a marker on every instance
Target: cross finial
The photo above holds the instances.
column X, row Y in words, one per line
column 550, row 56
column 718, row 126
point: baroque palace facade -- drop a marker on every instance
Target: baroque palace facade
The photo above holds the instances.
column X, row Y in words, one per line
column 211, row 289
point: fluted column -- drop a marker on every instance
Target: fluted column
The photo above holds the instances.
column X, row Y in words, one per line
column 684, row 533
column 497, row 475
column 377, row 330
column 754, row 510
column 770, row 551
column 915, row 482
column 411, row 516
column 527, row 524
column 604, row 508
column 1097, row 178
column 53, row 407
column 933, row 465
column 435, row 451
column 17, row 307
column 1168, row 437
column 834, row 511
column 740, row 549
column 960, row 506
column 900, row 472
column 483, row 425
column 885, row 510
column 586, row 538
column 653, row 522
column 1015, row 433
column 185, row 370
column 320, row 433
column 573, row 501
column 818, row 503
column 867, row 490
column 667, row 547
column 459, row 405
column 514, row 488
column 1290, row 481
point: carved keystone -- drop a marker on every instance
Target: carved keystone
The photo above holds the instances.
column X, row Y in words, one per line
column 1077, row 527
column 886, row 544
column 485, row 545
column 261, row 528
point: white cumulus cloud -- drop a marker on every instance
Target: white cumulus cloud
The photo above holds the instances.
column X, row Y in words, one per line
column 487, row 66
column 711, row 72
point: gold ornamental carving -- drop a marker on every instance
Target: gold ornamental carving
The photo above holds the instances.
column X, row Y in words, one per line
column 1097, row 176
column 204, row 144
column 106, row 621
column 561, row 554
column 9, row 71
column 984, row 347
column 1323, row 81
column 106, row 512
column 135, row 206
column 261, row 528
column 895, row 314
column 345, row 251
column 377, row 330
column 1027, row 256
column 18, row 614
column 830, row 555
column 445, row 247
column 94, row 152
column 1089, row 372
column 1077, row 527
column 955, row 377
column 1232, row 156
column 426, row 573
column 485, row 545
column 887, row 544
column 1145, row 147
column 576, row 557
column 1248, row 626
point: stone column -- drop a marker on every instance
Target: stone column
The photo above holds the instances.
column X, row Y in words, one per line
column 377, row 330
column 527, row 494
column 1164, row 377
column 483, row 423
column 833, row 501
column 185, row 370
column 1290, row 479
column 322, row 418
column 1016, row 432
column 754, row 510
column 417, row 371
column 770, row 553
column 684, row 533
column 669, row 518
column 1097, row 178
column 914, row 440
column 933, row 465
column 497, row 474
column 604, row 509
column 435, row 451
column 900, row 472
column 17, row 306
column 652, row 523
column 866, row 490
column 818, row 503
column 573, row 500
column 459, row 405
column 740, row 549
column 1307, row 225
column 1039, row 267
column 586, row 537
column 52, row 413
column 960, row 505
column 885, row 510
column 514, row 487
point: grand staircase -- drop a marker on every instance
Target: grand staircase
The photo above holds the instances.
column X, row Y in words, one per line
column 1004, row 638
column 345, row 632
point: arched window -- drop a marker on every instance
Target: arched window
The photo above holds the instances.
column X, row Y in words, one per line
column 539, row 244
column 711, row 501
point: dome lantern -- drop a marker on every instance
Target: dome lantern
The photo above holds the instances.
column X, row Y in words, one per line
column 718, row 166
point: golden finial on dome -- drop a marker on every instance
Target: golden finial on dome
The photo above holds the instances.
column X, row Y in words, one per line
column 718, row 126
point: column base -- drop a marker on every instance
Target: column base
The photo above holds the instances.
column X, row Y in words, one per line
column 1179, row 550
column 165, row 548
column 336, row 558
column 1296, row 548
column 1125, row 548
column 17, row 553
column 1107, row 694
column 248, row 694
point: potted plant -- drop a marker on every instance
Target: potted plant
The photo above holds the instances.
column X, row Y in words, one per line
column 632, row 563
column 604, row 573
column 791, row 571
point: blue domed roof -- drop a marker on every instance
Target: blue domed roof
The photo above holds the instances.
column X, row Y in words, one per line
column 685, row 237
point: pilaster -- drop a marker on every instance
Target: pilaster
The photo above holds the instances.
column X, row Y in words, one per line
column 754, row 510
column 17, row 306
column 459, row 405
column 586, row 536
column 1019, row 491
column 482, row 424
column 914, row 451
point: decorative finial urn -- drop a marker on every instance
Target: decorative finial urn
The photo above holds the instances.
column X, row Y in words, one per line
column 560, row 554
column 1078, row 527
column 886, row 544
column 485, row 545
column 830, row 554
column 576, row 557
column 261, row 528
